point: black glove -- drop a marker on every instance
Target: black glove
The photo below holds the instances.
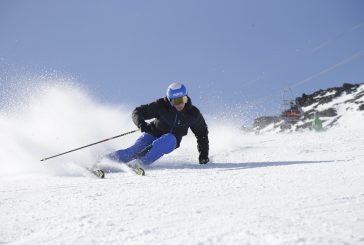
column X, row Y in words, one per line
column 203, row 159
column 145, row 127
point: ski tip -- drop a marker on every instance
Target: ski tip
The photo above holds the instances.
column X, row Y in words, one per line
column 140, row 171
column 99, row 173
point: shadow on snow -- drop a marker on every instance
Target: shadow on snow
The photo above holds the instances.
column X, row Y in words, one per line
column 233, row 166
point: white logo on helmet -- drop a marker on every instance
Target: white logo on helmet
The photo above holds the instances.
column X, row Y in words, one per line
column 179, row 94
column 175, row 86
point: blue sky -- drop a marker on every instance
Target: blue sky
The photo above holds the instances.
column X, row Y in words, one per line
column 230, row 54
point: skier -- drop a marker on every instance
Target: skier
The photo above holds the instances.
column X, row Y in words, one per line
column 173, row 116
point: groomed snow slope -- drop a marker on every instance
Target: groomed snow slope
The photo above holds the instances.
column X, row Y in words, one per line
column 299, row 188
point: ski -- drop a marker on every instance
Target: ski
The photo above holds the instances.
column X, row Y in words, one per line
column 97, row 172
column 136, row 169
column 139, row 171
column 101, row 173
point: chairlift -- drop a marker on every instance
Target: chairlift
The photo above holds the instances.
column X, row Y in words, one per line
column 291, row 109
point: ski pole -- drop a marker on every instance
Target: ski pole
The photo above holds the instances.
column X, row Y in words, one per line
column 117, row 136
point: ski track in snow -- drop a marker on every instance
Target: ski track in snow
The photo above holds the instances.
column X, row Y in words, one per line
column 298, row 188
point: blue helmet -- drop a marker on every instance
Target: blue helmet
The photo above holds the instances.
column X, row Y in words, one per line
column 176, row 90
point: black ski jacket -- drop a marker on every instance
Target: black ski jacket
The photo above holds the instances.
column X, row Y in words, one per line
column 168, row 120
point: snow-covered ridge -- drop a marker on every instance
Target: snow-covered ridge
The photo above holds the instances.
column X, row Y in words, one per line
column 334, row 106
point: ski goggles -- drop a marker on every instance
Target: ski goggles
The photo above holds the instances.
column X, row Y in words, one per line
column 179, row 100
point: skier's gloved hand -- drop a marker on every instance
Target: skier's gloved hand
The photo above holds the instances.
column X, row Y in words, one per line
column 203, row 159
column 145, row 127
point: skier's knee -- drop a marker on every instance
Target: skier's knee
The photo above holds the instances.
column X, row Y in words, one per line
column 166, row 142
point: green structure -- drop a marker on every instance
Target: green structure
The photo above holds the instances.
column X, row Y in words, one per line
column 317, row 123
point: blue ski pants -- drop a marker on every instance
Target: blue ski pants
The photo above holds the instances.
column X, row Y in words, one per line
column 147, row 148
